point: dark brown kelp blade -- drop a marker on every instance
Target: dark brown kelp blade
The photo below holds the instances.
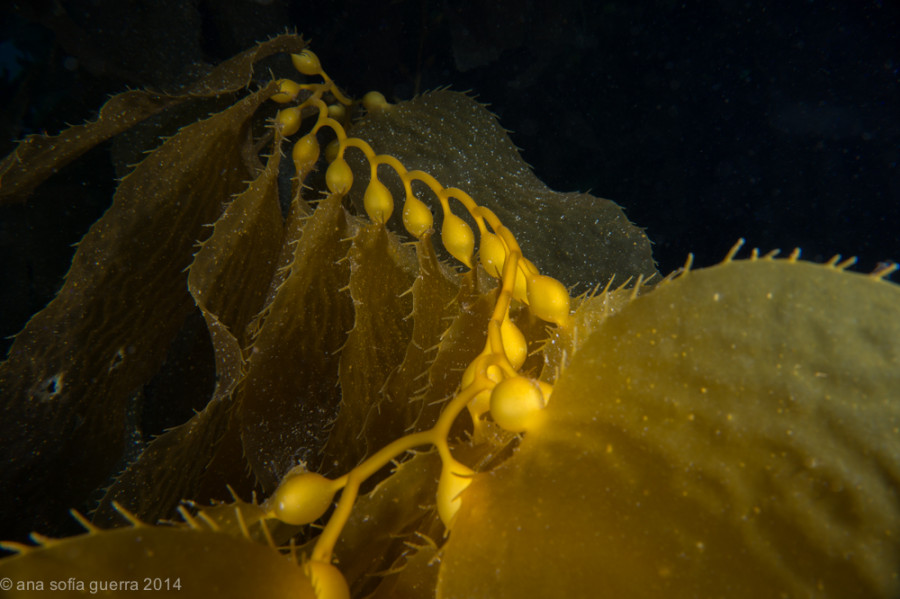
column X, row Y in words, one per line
column 228, row 279
column 38, row 157
column 457, row 140
column 71, row 371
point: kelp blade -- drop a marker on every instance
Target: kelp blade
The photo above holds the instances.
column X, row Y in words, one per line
column 228, row 279
column 735, row 432
column 458, row 141
column 70, row 373
column 170, row 561
column 381, row 270
column 40, row 156
column 291, row 383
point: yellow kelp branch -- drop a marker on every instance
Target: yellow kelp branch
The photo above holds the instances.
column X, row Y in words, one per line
column 515, row 401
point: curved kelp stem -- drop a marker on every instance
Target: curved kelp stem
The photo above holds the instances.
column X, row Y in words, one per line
column 501, row 257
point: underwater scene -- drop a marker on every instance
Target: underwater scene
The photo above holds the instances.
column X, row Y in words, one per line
column 274, row 333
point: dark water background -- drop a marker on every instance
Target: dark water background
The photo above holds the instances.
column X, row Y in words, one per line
column 706, row 121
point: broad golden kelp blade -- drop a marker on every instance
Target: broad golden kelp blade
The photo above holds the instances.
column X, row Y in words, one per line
column 290, row 391
column 173, row 561
column 37, row 157
column 228, row 279
column 732, row 433
column 70, row 373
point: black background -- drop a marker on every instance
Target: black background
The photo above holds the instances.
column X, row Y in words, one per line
column 706, row 121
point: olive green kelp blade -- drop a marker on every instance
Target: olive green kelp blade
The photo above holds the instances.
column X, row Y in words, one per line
column 228, row 280
column 734, row 433
column 164, row 560
column 460, row 343
column 457, row 140
column 37, row 157
column 71, row 371
column 431, row 315
column 381, row 271
column 291, row 385
column 383, row 520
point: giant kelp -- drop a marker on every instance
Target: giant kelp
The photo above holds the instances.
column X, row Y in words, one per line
column 724, row 431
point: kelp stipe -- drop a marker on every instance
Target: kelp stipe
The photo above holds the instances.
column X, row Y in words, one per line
column 727, row 431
